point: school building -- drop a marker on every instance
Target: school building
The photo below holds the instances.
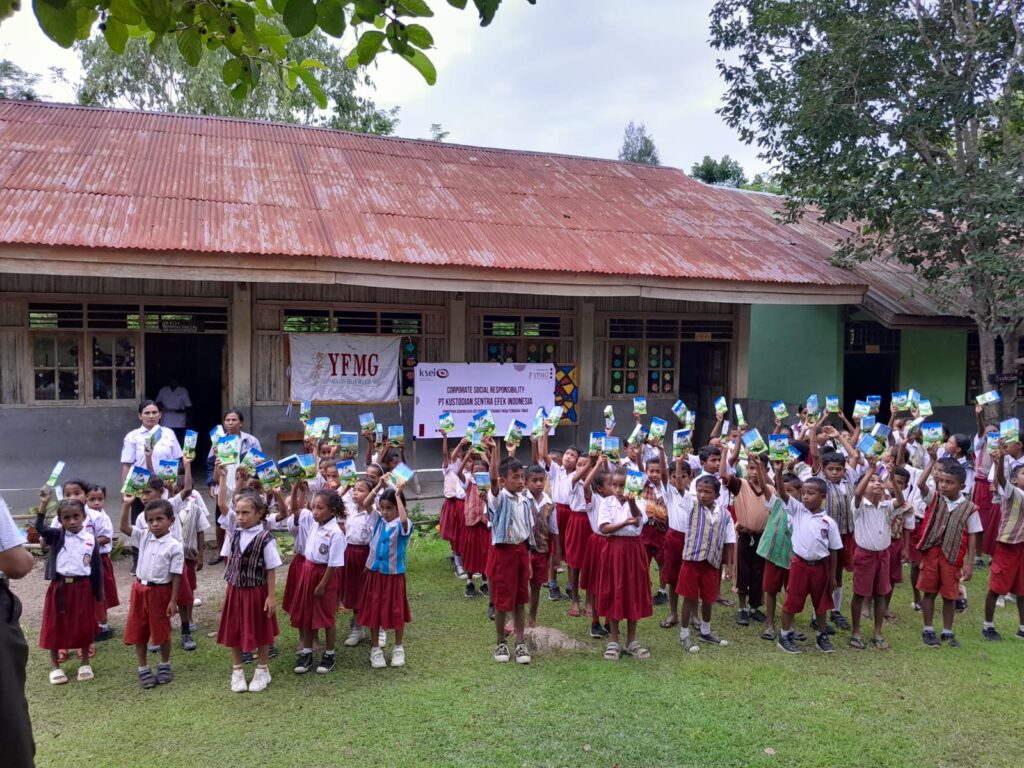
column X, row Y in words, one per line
column 136, row 248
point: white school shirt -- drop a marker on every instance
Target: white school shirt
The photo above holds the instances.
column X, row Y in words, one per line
column 871, row 523
column 75, row 557
column 561, row 484
column 593, row 512
column 680, row 505
column 454, row 486
column 159, row 559
column 358, row 529
column 140, row 527
column 325, row 542
column 578, row 498
column 271, row 557
column 10, row 535
column 191, row 515
column 814, row 533
column 973, row 521
column 103, row 526
column 1009, row 463
column 611, row 510
column 133, row 450
column 982, row 458
column 173, row 403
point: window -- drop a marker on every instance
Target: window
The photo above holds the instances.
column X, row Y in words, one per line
column 521, row 339
column 56, row 366
column 113, row 367
column 976, row 383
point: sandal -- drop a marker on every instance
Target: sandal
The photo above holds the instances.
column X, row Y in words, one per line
column 668, row 623
column 856, row 642
column 57, row 677
column 85, row 673
column 879, row 643
column 612, row 652
column 768, row 634
column 724, row 601
column 637, row 651
column 574, row 611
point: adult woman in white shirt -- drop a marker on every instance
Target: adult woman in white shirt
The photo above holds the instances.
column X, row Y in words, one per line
column 232, row 424
column 133, row 449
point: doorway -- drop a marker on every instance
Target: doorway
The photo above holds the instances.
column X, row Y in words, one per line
column 870, row 364
column 196, row 361
column 703, row 376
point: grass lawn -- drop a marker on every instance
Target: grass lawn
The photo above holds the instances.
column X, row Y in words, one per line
column 744, row 705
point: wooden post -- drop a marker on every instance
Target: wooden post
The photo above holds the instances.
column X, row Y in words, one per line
column 240, row 372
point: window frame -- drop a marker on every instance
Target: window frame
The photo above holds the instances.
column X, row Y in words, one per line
column 479, row 339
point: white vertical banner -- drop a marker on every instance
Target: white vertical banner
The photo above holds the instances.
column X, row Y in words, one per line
column 332, row 368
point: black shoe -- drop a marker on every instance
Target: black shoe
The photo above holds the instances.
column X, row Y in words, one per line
column 304, row 663
column 928, row 638
column 490, row 611
column 788, row 645
column 272, row 652
column 247, row 657
column 979, row 562
column 606, row 629
column 485, row 588
column 470, row 589
column 800, row 637
column 828, row 630
column 711, row 638
column 215, row 560
column 554, row 594
column 188, row 642
column 960, row 604
column 164, row 674
column 840, row 621
column 660, row 598
column 758, row 616
column 596, row 631
column 989, row 633
column 950, row 639
column 103, row 634
column 743, row 617
column 824, row 644
column 326, row 663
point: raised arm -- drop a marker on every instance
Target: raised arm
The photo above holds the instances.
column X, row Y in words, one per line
column 495, row 451
column 780, row 485
column 862, row 485
column 445, row 458
column 922, row 482
column 125, row 523
column 186, row 486
column 812, row 441
column 999, row 464
column 979, row 417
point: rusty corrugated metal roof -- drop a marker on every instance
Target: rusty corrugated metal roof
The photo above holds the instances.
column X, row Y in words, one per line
column 115, row 179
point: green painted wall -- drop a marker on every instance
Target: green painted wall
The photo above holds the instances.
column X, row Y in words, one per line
column 795, row 350
column 935, row 364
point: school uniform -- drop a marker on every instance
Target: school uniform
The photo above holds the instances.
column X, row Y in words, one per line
column 193, row 519
column 752, row 514
column 103, row 526
column 508, row 563
column 453, row 509
column 680, row 505
column 476, row 538
column 943, row 542
column 707, row 532
column 560, row 483
column 325, row 548
column 140, row 528
column 901, row 526
column 1007, row 575
column 358, row 533
column 872, row 531
column 577, row 527
column 624, row 583
column 244, row 623
column 160, row 560
column 912, row 496
column 724, row 496
column 540, row 510
column 291, row 579
column 653, row 534
column 776, row 547
column 814, row 536
column 75, row 574
column 384, row 603
column 982, row 495
column 838, row 505
column 597, row 546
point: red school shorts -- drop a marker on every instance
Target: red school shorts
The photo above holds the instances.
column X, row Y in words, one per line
column 938, row 574
column 1007, row 575
column 147, row 615
column 672, row 555
column 539, row 568
column 774, row 579
column 871, row 572
column 896, row 562
column 807, row 580
column 699, row 581
column 508, row 570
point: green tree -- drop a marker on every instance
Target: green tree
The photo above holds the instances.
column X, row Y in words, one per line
column 638, row 146
column 157, row 79
column 763, row 182
column 906, row 119
column 437, row 133
column 16, row 83
column 249, row 31
column 725, row 171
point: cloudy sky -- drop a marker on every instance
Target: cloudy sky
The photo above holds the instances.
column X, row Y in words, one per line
column 561, row 76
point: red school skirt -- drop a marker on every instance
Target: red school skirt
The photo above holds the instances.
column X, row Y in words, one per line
column 384, row 603
column 475, row 544
column 653, row 539
column 110, row 598
column 309, row 611
column 453, row 520
column 185, row 594
column 562, row 514
column 291, row 581
column 69, row 619
column 243, row 621
column 672, row 555
column 991, row 515
column 355, row 570
column 590, row 573
column 577, row 536
column 189, row 574
column 624, row 583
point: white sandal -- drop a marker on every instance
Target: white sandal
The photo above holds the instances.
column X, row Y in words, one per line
column 57, row 677
column 613, row 651
column 637, row 651
column 85, row 673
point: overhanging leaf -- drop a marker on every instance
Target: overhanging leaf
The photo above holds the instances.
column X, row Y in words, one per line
column 414, row 8
column 116, row 34
column 368, row 46
column 126, row 11
column 330, row 17
column 311, row 83
column 59, row 23
column 421, row 64
column 419, row 36
column 300, row 17
column 190, row 43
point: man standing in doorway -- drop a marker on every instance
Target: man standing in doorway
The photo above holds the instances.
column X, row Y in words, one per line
column 15, row 562
column 174, row 403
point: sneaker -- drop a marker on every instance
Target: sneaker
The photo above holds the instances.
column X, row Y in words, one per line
column 326, row 663
column 916, row 607
column 660, row 598
column 354, row 636
column 979, row 562
column 596, row 631
column 1020, row 634
column 800, row 637
column 757, row 615
column 460, row 572
column 192, row 627
column 215, row 560
column 1001, row 602
column 743, row 617
column 824, row 644
column 272, row 651
column 788, row 644
column 950, row 640
column 163, row 674
column 377, row 658
column 103, row 634
column 606, row 630
column 470, row 589
column 554, row 594
column 501, row 652
column 196, row 602
column 960, row 604
column 828, row 630
column 485, row 588
column 490, row 611
column 688, row 644
column 929, row 638
column 990, row 633
column 303, row 663
column 260, row 680
column 146, row 678
column 840, row 621
column 522, row 654
column 187, row 642
column 238, row 684
column 398, row 656
column 248, row 658
column 712, row 639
